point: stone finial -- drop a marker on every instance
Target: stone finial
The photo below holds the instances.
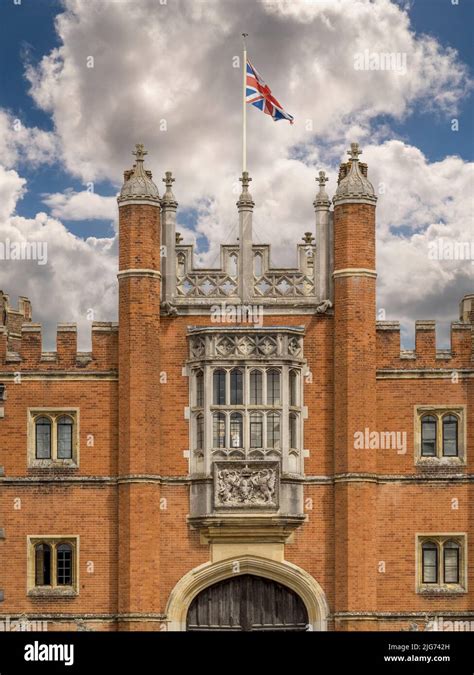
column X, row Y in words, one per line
column 139, row 184
column 354, row 186
column 322, row 198
column 245, row 196
column 354, row 152
column 140, row 152
column 179, row 238
column 169, row 197
column 308, row 238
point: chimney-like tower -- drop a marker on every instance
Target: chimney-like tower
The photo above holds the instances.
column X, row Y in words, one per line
column 245, row 208
column 168, row 239
column 138, row 395
column 354, row 389
column 323, row 238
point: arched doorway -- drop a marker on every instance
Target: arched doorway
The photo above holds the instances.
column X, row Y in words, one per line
column 247, row 603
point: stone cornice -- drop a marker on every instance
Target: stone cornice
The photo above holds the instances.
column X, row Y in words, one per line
column 185, row 480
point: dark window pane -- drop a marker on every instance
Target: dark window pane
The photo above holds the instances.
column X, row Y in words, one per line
column 219, row 387
column 64, row 565
column 43, row 438
column 256, row 395
column 200, row 389
column 273, row 387
column 218, row 430
column 451, row 564
column 65, row 427
column 450, row 436
column 293, row 431
column 236, row 435
column 199, row 432
column 430, row 564
column 273, row 430
column 236, row 387
column 428, row 436
column 293, row 388
column 256, row 431
column 42, row 565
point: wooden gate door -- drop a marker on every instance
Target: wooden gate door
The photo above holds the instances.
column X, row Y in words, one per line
column 247, row 603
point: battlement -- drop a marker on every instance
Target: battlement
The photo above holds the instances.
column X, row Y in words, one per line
column 29, row 355
column 426, row 355
column 12, row 319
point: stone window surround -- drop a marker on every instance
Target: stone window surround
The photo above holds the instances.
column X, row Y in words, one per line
column 440, row 538
column 439, row 411
column 54, row 414
column 54, row 540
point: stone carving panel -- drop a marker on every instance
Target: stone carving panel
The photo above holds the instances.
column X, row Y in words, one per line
column 284, row 285
column 246, row 485
column 225, row 345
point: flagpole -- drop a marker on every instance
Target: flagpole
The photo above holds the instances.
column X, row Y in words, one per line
column 244, row 104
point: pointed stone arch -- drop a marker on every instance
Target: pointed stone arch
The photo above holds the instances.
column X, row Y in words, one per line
column 285, row 573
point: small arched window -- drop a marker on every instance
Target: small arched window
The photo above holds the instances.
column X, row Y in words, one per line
column 199, row 389
column 293, row 431
column 428, row 436
column 64, row 568
column 43, row 437
column 256, row 430
column 273, row 387
column 256, row 395
column 65, row 436
column 219, row 387
column 451, row 561
column 450, row 436
column 218, row 430
column 430, row 571
column 273, row 430
column 199, row 432
column 42, row 565
column 293, row 388
column 236, row 387
column 236, row 431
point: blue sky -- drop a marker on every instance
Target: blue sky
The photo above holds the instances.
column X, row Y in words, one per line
column 27, row 32
column 155, row 61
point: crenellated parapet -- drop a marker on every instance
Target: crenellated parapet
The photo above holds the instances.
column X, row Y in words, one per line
column 426, row 355
column 28, row 354
column 11, row 320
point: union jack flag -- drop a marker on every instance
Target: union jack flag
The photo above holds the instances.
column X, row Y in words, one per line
column 258, row 93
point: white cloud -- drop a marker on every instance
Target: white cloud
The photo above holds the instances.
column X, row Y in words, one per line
column 84, row 205
column 80, row 275
column 174, row 62
column 181, row 70
column 30, row 144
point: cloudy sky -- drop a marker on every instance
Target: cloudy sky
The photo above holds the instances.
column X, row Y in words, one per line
column 83, row 80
